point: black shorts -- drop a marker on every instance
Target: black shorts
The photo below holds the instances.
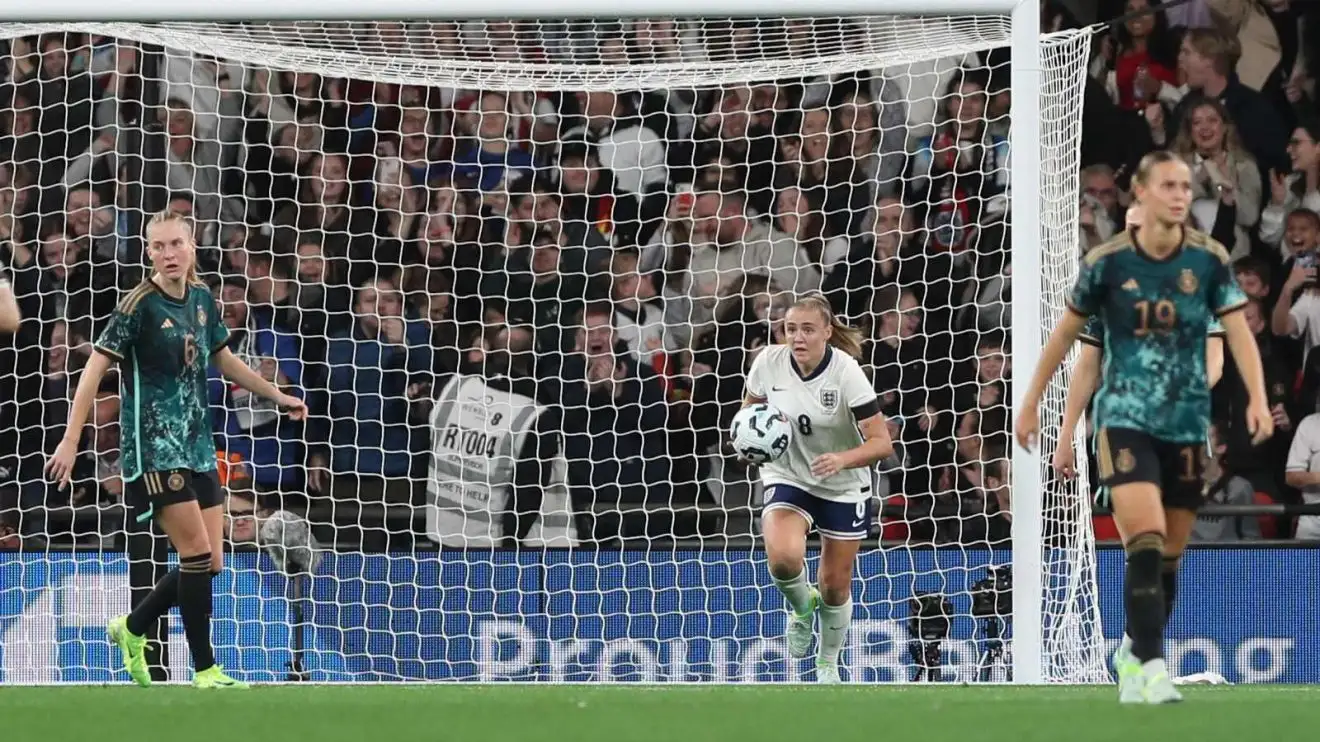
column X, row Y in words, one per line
column 1126, row 456
column 147, row 494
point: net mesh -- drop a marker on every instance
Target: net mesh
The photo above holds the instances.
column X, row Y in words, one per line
column 518, row 271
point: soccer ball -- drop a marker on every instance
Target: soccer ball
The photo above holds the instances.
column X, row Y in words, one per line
column 760, row 433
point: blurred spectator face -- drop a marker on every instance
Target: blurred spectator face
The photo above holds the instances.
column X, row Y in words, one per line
column 413, row 144
column 1302, row 150
column 57, row 360
column 990, row 363
column 815, row 134
column 306, row 85
column 654, row 35
column 494, row 122
column 54, row 58
column 597, row 104
column 1207, row 129
column 233, row 307
column 629, row 287
column 25, row 116
column 793, row 209
column 891, row 222
column 910, row 310
column 391, row 181
column 377, row 302
column 437, row 307
column 106, row 419
column 856, row 120
column 1255, row 316
column 966, row 104
column 78, row 208
column 1141, row 26
column 1166, row 195
column 59, row 254
column 577, row 176
column 1197, row 69
column 767, row 100
column 179, row 120
column 613, row 50
column 311, row 263
column 1252, row 283
column 1303, row 232
column 545, row 258
column 1101, row 186
column 546, row 207
column 596, row 336
column 718, row 218
column 329, row 183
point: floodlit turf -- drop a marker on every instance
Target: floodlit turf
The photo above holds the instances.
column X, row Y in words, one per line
column 636, row 713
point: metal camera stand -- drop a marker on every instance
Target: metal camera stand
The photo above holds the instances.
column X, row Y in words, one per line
column 990, row 638
column 297, row 591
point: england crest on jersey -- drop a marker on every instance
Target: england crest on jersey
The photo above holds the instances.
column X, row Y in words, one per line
column 829, row 398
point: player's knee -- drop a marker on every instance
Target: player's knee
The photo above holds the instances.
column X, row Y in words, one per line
column 784, row 567
column 835, row 585
column 217, row 564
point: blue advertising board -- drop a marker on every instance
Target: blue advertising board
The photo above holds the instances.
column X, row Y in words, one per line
column 620, row 616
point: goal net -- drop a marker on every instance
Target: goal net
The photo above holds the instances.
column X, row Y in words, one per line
column 518, row 271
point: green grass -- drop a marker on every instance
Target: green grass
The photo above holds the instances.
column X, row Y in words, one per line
column 408, row 713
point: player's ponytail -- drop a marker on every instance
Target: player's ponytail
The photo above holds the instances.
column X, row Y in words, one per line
column 846, row 338
column 170, row 215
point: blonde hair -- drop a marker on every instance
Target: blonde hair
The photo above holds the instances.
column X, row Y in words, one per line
column 846, row 338
column 170, row 215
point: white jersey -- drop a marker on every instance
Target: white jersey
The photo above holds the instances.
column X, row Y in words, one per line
column 477, row 434
column 820, row 407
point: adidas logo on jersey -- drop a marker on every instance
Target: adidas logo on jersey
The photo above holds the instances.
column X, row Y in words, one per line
column 167, row 324
column 1131, row 285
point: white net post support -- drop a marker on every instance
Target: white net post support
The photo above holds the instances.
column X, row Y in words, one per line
column 1056, row 632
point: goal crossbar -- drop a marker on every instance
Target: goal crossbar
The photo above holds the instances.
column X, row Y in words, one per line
column 152, row 11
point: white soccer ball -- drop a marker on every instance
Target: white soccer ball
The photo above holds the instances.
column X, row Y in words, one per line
column 760, row 433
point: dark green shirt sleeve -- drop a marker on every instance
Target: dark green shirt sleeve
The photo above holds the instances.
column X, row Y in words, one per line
column 121, row 334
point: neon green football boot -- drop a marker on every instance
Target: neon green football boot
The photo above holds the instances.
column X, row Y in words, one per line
column 215, row 677
column 800, row 629
column 133, row 649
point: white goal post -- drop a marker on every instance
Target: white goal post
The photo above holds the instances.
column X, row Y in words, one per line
column 1055, row 627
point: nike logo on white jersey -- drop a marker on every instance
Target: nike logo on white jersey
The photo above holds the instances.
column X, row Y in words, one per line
column 777, row 388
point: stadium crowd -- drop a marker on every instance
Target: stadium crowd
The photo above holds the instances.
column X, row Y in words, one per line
column 621, row 258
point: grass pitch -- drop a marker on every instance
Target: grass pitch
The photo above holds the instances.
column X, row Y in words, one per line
column 404, row 713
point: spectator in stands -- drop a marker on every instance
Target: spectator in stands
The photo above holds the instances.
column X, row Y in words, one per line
column 247, row 424
column 623, row 477
column 962, row 170
column 728, row 244
column 882, row 258
column 1144, row 57
column 1299, row 189
column 1226, row 183
column 800, row 213
column 324, row 204
column 1303, row 472
column 371, row 384
column 489, row 159
column 1206, row 60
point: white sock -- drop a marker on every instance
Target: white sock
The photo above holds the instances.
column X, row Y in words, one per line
column 796, row 590
column 1155, row 666
column 834, row 622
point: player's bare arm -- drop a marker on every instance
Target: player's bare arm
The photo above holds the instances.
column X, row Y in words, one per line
column 1242, row 344
column 1081, row 385
column 10, row 316
column 1051, row 357
column 876, row 445
column 240, row 373
column 60, row 466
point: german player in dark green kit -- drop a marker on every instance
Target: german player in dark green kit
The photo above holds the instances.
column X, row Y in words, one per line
column 1157, row 289
column 164, row 334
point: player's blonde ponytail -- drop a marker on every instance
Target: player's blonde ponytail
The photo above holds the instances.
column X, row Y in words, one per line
column 170, row 215
column 846, row 338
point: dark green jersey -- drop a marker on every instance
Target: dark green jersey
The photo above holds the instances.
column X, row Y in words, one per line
column 1094, row 332
column 1155, row 316
column 163, row 346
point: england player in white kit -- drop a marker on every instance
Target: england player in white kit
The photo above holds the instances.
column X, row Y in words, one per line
column 824, row 479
